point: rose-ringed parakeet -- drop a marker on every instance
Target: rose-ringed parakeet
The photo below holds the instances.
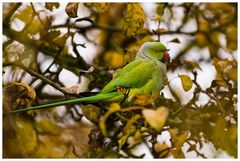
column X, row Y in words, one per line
column 144, row 75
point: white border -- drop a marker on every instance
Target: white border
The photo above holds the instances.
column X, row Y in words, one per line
column 1, row 96
column 121, row 1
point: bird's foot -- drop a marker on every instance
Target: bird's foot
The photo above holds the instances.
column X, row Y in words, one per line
column 125, row 91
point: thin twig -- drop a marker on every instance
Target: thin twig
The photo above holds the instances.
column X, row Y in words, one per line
column 10, row 13
column 36, row 13
column 37, row 75
column 132, row 108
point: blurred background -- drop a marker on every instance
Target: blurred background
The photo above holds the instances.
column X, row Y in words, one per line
column 54, row 51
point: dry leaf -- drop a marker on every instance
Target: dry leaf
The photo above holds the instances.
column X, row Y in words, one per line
column 156, row 118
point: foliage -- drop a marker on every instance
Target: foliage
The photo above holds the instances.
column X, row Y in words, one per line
column 117, row 30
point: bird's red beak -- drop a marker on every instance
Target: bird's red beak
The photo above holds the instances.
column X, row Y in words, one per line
column 166, row 57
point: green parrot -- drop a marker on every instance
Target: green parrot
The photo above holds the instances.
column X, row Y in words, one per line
column 144, row 75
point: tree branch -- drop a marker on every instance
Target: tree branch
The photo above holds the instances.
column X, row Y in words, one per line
column 39, row 76
column 10, row 13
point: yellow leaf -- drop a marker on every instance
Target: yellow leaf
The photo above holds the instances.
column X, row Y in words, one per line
column 99, row 7
column 128, row 130
column 231, row 32
column 177, row 153
column 225, row 68
column 186, row 82
column 156, row 118
column 137, row 136
column 47, row 125
column 54, row 146
column 224, row 136
column 91, row 112
column 114, row 59
column 31, row 93
column 214, row 36
column 35, row 27
column 61, row 40
column 220, row 83
column 233, row 74
column 191, row 65
column 228, row 12
column 50, row 6
column 213, row 50
column 20, row 138
column 123, row 140
column 25, row 14
column 16, row 95
column 114, row 107
column 32, row 23
column 143, row 99
column 232, row 132
column 71, row 10
column 231, row 45
column 162, row 149
column 160, row 8
column 133, row 20
column 49, row 48
column 201, row 40
column 204, row 25
column 178, row 139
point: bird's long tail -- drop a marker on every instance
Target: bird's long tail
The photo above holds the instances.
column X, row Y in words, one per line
column 105, row 97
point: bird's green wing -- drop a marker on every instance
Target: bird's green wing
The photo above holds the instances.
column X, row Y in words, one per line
column 153, row 84
column 135, row 75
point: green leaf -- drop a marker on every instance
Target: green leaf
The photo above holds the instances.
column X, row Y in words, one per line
column 71, row 10
column 156, row 118
column 186, row 82
column 102, row 123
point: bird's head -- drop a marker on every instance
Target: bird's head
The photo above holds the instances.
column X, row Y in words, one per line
column 154, row 50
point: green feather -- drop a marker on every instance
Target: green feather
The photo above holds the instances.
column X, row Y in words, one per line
column 106, row 97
